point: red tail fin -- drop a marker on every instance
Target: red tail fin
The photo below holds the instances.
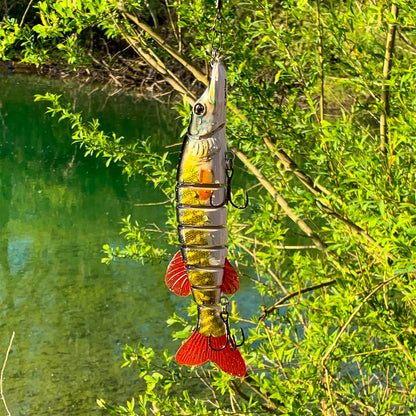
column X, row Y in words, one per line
column 196, row 350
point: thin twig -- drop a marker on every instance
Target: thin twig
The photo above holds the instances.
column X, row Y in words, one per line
column 279, row 362
column 385, row 93
column 292, row 295
column 25, row 13
column 280, row 247
column 179, row 30
column 314, row 186
column 268, row 408
column 269, row 270
column 2, row 375
column 407, row 41
column 172, row 24
column 402, row 347
column 270, row 404
column 352, row 316
column 154, row 62
column 321, row 62
column 153, row 203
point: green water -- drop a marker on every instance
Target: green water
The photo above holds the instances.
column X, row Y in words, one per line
column 72, row 315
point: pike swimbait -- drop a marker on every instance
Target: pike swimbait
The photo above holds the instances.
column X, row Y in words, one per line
column 201, row 265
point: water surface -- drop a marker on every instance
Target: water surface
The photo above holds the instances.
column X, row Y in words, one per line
column 72, row 315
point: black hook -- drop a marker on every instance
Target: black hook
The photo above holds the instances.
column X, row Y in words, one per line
column 211, row 202
column 217, row 349
column 229, row 163
column 230, row 339
column 234, row 344
column 241, row 206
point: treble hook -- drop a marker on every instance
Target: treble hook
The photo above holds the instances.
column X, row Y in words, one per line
column 234, row 343
column 230, row 339
column 229, row 171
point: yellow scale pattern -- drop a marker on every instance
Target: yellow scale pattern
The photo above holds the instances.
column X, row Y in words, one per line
column 210, row 323
column 189, row 197
column 206, row 296
column 194, row 217
column 195, row 237
column 198, row 257
column 201, row 278
column 190, row 172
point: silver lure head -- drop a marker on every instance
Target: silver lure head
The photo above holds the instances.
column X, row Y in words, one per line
column 209, row 112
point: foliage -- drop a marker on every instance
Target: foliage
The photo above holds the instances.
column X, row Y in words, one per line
column 308, row 85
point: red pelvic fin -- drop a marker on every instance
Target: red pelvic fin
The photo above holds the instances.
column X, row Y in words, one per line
column 231, row 282
column 176, row 276
column 196, row 350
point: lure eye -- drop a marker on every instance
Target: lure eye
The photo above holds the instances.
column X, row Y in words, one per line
column 199, row 109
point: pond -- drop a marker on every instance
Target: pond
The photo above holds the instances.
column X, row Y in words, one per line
column 71, row 314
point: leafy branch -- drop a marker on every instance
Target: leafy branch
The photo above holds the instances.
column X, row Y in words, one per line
column 284, row 299
column 136, row 158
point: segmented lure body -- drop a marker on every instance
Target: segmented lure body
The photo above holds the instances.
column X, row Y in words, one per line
column 201, row 266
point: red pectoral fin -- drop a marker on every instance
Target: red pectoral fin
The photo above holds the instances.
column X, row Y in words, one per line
column 231, row 282
column 176, row 276
column 196, row 350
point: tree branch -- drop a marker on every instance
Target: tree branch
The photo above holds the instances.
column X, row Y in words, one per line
column 289, row 164
column 321, row 63
column 281, row 301
column 385, row 92
column 406, row 40
column 270, row 407
column 155, row 62
column 352, row 316
column 317, row 189
column 143, row 26
column 281, row 201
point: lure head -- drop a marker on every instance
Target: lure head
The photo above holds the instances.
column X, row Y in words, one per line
column 209, row 112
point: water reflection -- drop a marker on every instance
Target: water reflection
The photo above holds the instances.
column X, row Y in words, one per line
column 72, row 314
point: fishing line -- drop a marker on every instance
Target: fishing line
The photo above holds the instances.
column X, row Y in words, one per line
column 217, row 31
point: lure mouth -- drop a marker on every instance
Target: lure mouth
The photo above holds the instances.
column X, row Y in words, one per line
column 218, row 85
column 209, row 112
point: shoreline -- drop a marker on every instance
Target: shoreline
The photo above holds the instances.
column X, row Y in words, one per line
column 143, row 81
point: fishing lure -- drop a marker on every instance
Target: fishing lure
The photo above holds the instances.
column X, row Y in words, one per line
column 201, row 266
